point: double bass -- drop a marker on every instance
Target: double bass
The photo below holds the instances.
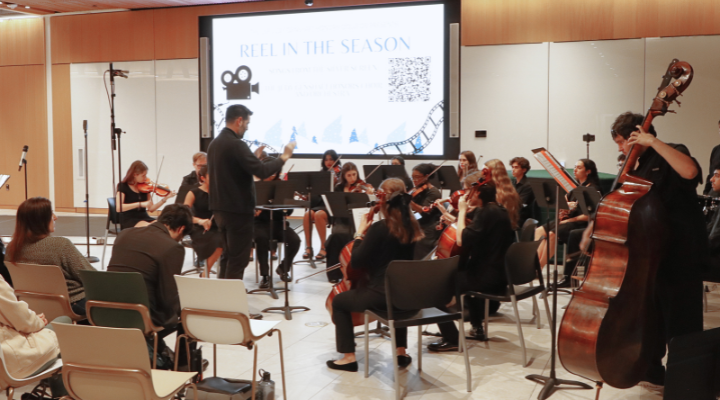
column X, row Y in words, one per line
column 608, row 331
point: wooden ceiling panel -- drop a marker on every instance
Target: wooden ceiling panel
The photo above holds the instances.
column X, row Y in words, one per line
column 44, row 6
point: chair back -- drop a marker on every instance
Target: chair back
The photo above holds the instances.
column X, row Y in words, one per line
column 104, row 363
column 43, row 288
column 414, row 285
column 113, row 216
column 226, row 295
column 521, row 263
column 115, row 287
column 527, row 232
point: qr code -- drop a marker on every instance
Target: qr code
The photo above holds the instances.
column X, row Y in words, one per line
column 409, row 79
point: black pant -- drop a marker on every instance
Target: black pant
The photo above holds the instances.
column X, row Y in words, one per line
column 679, row 303
column 181, row 355
column 357, row 300
column 334, row 245
column 237, row 231
column 262, row 241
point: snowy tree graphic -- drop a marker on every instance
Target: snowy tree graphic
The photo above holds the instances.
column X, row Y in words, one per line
column 353, row 137
column 293, row 136
column 314, row 140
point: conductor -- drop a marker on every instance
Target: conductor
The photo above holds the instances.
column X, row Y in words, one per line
column 232, row 165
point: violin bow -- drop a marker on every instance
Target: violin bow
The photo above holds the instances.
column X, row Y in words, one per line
column 158, row 174
column 333, row 268
column 335, row 163
column 373, row 171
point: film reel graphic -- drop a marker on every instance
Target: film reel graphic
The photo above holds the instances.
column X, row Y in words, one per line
column 237, row 84
column 435, row 118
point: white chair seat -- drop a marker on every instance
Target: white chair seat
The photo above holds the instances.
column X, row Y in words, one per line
column 260, row 327
column 168, row 382
column 27, row 380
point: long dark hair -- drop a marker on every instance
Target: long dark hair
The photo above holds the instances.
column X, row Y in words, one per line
column 137, row 167
column 399, row 218
column 32, row 223
column 345, row 169
column 472, row 163
column 593, row 176
column 333, row 154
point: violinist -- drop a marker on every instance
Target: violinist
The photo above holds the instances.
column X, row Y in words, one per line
column 132, row 204
column 350, row 181
column 585, row 172
column 482, row 259
column 398, row 160
column 678, row 286
column 206, row 237
column 520, row 167
column 449, row 216
column 317, row 214
column 467, row 164
column 507, row 196
column 424, row 195
column 376, row 245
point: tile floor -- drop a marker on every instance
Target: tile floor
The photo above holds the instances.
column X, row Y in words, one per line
column 497, row 371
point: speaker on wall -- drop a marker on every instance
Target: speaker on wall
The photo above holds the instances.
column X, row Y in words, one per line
column 454, row 99
column 205, row 103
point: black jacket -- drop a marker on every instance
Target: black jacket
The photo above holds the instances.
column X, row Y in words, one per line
column 157, row 257
column 189, row 182
column 231, row 165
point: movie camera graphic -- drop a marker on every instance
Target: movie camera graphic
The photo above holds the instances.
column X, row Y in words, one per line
column 237, row 85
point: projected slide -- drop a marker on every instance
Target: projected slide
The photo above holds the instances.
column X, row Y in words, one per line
column 361, row 81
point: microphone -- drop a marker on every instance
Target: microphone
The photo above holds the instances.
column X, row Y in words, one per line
column 120, row 73
column 85, row 125
column 22, row 158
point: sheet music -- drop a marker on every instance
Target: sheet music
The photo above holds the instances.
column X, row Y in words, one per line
column 327, row 205
column 555, row 169
column 3, row 179
column 358, row 215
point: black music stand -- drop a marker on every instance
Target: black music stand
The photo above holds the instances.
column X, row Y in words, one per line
column 587, row 198
column 308, row 183
column 551, row 383
column 264, row 199
column 446, row 178
column 386, row 172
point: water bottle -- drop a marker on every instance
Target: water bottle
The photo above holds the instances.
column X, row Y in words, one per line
column 266, row 387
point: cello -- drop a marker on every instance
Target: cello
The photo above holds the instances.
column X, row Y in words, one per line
column 608, row 330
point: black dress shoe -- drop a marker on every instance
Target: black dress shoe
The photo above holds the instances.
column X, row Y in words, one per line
column 264, row 283
column 285, row 277
column 350, row 367
column 564, row 283
column 477, row 333
column 404, row 360
column 442, row 346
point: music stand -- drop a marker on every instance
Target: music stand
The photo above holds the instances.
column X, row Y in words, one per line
column 587, row 198
column 446, row 178
column 282, row 199
column 386, row 172
column 308, row 183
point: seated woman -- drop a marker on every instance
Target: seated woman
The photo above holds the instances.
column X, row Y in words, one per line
column 507, row 196
column 586, row 173
column 467, row 164
column 132, row 204
column 482, row 259
column 425, row 196
column 32, row 244
column 279, row 233
column 320, row 217
column 28, row 347
column 376, row 245
column 206, row 238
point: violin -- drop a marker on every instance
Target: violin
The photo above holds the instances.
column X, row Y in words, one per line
column 453, row 200
column 150, row 187
column 360, row 187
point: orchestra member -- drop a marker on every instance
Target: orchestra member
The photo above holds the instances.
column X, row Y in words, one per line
column 32, row 243
column 467, row 164
column 350, row 181
column 507, row 196
column 586, row 173
column 206, row 238
column 678, row 285
column 424, row 195
column 232, row 166
column 132, row 204
column 279, row 233
column 191, row 180
column 482, row 259
column 397, row 160
column 714, row 160
column 520, row 167
column 330, row 161
column 376, row 245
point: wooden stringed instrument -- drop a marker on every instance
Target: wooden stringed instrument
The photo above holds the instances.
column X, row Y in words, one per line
column 608, row 329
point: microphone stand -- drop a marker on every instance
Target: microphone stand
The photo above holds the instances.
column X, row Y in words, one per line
column 24, row 163
column 114, row 135
column 91, row 259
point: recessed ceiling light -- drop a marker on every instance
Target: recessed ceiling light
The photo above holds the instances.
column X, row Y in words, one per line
column 27, row 6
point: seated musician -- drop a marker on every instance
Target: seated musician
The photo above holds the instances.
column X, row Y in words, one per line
column 131, row 203
column 507, row 196
column 329, row 161
column 397, row 160
column 586, row 173
column 206, row 238
column 714, row 161
column 712, row 273
column 424, row 195
column 191, row 180
column 520, row 167
column 32, row 243
column 482, row 259
column 376, row 245
column 154, row 251
column 279, row 233
column 675, row 176
column 467, row 164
